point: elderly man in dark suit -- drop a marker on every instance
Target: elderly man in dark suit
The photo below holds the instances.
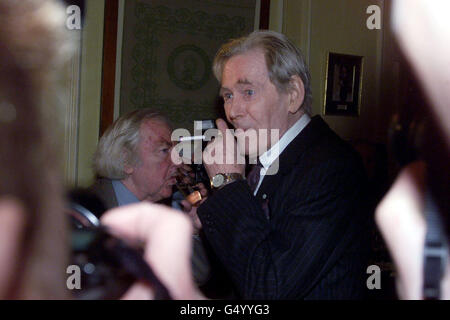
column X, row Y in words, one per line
column 294, row 229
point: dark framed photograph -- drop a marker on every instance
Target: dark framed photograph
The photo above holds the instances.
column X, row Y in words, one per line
column 343, row 84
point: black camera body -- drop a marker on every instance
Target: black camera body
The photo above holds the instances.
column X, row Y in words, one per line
column 109, row 264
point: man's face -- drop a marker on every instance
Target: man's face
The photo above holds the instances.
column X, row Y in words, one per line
column 154, row 175
column 251, row 100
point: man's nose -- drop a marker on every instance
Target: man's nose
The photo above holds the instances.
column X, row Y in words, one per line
column 177, row 162
column 235, row 109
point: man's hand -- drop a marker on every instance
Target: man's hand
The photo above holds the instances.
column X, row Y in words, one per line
column 192, row 210
column 186, row 175
column 221, row 154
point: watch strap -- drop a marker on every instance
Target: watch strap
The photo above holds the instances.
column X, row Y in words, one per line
column 229, row 177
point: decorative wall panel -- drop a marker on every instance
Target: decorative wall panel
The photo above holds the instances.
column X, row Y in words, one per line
column 168, row 48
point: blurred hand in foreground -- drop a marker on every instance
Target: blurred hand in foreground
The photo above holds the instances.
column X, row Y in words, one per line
column 167, row 235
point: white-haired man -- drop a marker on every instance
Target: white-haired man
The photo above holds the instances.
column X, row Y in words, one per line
column 133, row 160
column 298, row 233
column 133, row 163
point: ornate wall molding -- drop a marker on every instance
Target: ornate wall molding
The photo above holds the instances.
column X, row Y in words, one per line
column 168, row 48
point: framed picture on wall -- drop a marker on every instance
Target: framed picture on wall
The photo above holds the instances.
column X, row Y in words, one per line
column 343, row 85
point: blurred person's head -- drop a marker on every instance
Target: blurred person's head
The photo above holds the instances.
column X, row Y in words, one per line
column 136, row 149
column 34, row 252
column 32, row 226
column 402, row 214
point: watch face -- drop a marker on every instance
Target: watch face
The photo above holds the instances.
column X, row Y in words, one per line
column 217, row 180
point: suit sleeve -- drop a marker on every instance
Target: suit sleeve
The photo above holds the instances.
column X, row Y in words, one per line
column 285, row 256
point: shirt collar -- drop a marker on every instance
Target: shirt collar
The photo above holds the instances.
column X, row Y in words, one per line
column 268, row 157
column 123, row 195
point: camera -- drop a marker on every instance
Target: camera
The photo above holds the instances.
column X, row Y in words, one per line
column 199, row 169
column 191, row 148
column 109, row 263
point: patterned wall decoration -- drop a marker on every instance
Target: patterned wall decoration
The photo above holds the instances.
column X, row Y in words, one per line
column 168, row 48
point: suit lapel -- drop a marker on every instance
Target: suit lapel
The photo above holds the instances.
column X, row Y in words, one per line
column 288, row 159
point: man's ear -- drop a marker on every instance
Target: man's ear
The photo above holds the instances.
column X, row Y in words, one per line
column 296, row 94
column 128, row 169
column 12, row 223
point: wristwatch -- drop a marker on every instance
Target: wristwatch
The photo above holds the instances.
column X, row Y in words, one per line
column 221, row 179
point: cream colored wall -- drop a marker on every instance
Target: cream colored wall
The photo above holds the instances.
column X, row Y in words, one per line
column 297, row 24
column 322, row 26
column 90, row 89
column 70, row 107
column 276, row 16
column 342, row 28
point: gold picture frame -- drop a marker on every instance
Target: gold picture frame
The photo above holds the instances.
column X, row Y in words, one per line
column 343, row 85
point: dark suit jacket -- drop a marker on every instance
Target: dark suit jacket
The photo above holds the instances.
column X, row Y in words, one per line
column 103, row 189
column 312, row 245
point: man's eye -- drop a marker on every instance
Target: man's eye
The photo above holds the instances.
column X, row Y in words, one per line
column 227, row 96
column 249, row 92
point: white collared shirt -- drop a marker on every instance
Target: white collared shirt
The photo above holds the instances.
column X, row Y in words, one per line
column 268, row 157
column 123, row 195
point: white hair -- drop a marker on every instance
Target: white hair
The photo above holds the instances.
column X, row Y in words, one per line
column 118, row 145
column 283, row 60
